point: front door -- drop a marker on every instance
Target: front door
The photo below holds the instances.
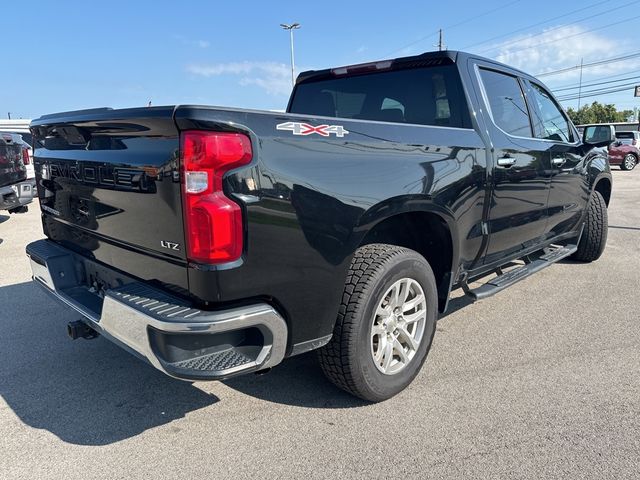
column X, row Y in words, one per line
column 569, row 189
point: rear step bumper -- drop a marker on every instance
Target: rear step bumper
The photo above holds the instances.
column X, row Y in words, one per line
column 179, row 340
column 16, row 195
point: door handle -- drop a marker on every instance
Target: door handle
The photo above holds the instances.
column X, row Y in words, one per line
column 558, row 161
column 506, row 161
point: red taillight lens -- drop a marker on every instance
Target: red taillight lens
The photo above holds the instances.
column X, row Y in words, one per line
column 213, row 222
column 25, row 156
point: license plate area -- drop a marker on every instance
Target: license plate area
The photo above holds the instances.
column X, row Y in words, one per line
column 81, row 282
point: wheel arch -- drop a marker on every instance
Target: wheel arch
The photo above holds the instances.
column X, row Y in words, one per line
column 603, row 186
column 430, row 231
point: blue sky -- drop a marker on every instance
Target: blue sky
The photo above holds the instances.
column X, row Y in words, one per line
column 78, row 54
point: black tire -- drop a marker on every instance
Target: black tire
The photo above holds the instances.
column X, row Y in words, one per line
column 629, row 162
column 594, row 236
column 347, row 359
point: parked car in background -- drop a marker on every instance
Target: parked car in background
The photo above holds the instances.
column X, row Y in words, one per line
column 15, row 190
column 625, row 151
column 26, row 140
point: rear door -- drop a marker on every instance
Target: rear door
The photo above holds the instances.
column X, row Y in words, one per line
column 519, row 181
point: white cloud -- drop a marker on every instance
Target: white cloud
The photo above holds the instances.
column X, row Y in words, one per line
column 273, row 77
column 561, row 47
column 192, row 43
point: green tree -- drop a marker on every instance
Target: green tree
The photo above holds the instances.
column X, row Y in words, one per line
column 598, row 113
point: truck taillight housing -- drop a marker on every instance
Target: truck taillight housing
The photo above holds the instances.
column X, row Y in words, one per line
column 25, row 156
column 213, row 222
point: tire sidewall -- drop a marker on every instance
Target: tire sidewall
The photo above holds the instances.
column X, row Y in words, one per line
column 409, row 266
column 624, row 162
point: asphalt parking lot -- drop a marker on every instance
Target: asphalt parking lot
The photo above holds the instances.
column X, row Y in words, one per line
column 540, row 381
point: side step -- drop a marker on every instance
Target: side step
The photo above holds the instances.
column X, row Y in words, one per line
column 534, row 263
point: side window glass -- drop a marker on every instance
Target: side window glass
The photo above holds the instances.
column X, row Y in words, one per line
column 551, row 123
column 506, row 100
column 391, row 110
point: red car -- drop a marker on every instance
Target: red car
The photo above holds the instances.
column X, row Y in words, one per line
column 625, row 151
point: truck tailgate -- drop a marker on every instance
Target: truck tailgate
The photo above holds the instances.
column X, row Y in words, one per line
column 109, row 188
column 12, row 169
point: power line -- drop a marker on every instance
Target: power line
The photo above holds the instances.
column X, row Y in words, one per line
column 592, row 64
column 607, row 92
column 587, row 85
column 599, row 90
column 538, row 24
column 470, row 19
column 561, row 87
column 577, row 34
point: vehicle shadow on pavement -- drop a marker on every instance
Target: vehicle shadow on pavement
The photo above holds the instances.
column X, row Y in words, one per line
column 298, row 381
column 84, row 392
column 4, row 218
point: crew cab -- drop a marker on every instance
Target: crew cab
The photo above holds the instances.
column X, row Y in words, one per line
column 213, row 241
column 16, row 191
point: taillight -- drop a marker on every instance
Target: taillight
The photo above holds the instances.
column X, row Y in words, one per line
column 25, row 156
column 213, row 222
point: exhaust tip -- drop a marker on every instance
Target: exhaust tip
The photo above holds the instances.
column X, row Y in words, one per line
column 80, row 329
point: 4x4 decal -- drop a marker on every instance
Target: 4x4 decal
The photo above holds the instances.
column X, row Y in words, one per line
column 298, row 128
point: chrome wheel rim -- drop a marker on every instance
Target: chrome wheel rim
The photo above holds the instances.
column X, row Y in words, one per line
column 629, row 161
column 398, row 326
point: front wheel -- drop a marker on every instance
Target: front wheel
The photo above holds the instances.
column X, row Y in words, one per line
column 629, row 162
column 594, row 236
column 385, row 324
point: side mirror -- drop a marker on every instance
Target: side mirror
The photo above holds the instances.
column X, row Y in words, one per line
column 599, row 135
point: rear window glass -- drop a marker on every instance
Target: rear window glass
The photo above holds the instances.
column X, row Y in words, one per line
column 25, row 136
column 625, row 138
column 425, row 96
column 506, row 100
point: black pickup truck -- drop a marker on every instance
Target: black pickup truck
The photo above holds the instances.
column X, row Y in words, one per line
column 213, row 242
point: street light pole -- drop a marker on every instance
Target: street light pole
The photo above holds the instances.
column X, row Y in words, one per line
column 291, row 27
column 580, row 87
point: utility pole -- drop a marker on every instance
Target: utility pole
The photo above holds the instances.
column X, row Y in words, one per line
column 580, row 85
column 441, row 45
column 291, row 27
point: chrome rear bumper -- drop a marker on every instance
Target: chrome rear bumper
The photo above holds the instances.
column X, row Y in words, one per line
column 16, row 195
column 181, row 341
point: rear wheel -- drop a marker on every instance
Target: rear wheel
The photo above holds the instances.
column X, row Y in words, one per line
column 629, row 162
column 594, row 236
column 385, row 324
